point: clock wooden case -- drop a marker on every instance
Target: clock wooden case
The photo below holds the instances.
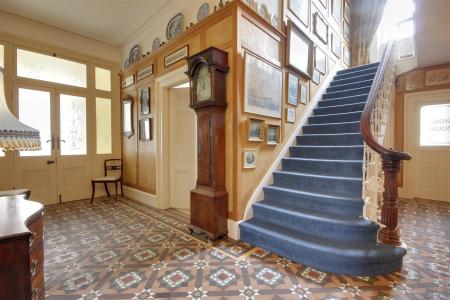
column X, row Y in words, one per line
column 207, row 73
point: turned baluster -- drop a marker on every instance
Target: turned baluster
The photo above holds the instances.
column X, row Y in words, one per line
column 390, row 234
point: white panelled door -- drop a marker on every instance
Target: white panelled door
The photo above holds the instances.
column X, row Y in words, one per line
column 429, row 141
column 183, row 153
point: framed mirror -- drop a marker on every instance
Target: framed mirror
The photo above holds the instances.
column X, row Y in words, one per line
column 127, row 116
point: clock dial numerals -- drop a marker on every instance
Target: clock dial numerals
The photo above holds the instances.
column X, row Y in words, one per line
column 203, row 84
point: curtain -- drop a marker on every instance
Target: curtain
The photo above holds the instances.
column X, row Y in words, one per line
column 366, row 16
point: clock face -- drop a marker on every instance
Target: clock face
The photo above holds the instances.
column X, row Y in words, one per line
column 203, row 84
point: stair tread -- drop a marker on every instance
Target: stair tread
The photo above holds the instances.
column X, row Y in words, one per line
column 317, row 215
column 331, row 146
column 334, row 134
column 369, row 252
column 342, row 98
column 324, row 160
column 356, row 71
column 369, row 81
column 336, row 114
column 319, row 176
column 335, row 123
column 356, row 76
column 332, row 196
column 341, row 105
column 361, row 67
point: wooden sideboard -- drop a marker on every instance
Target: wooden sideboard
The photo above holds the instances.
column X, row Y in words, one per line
column 21, row 249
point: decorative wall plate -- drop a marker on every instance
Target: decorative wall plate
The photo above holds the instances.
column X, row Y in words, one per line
column 135, row 54
column 274, row 21
column 203, row 11
column 126, row 63
column 156, row 43
column 175, row 26
column 263, row 11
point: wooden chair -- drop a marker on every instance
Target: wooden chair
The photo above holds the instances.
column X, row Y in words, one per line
column 109, row 166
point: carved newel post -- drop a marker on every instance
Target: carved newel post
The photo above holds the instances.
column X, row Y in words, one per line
column 390, row 234
column 207, row 72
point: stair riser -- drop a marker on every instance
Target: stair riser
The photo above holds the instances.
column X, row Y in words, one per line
column 314, row 203
column 352, row 92
column 327, row 153
column 349, row 86
column 342, row 101
column 339, row 109
column 346, row 117
column 332, row 128
column 319, row 228
column 354, row 79
column 330, row 140
column 355, row 74
column 321, row 260
column 350, row 188
column 349, row 169
column 358, row 68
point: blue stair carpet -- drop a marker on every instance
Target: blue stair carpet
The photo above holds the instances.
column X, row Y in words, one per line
column 312, row 213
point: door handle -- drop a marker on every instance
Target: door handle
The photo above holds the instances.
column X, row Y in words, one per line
column 49, row 162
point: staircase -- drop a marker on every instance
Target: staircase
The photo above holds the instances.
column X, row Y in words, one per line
column 312, row 213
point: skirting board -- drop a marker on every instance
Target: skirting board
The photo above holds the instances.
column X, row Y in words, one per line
column 150, row 200
column 140, row 196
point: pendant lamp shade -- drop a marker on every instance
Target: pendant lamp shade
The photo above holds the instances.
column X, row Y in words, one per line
column 14, row 135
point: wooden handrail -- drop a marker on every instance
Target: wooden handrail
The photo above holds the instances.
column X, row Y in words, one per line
column 391, row 160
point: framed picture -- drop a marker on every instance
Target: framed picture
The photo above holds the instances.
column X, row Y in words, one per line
column 346, row 55
column 176, row 56
column 263, row 87
column 336, row 45
column 304, row 93
column 300, row 8
column 346, row 11
column 437, row 77
column 299, row 51
column 346, row 31
column 255, row 130
column 320, row 60
column 324, row 3
column 336, row 10
column 320, row 28
column 145, row 130
column 127, row 116
column 273, row 134
column 249, row 159
column 127, row 81
column 292, row 89
column 290, row 115
column 144, row 100
column 145, row 72
column 316, row 76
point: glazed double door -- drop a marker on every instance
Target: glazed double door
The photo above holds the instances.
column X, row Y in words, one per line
column 60, row 171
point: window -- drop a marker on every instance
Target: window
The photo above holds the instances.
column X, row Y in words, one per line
column 103, row 79
column 73, row 125
column 2, row 56
column 48, row 68
column 435, row 125
column 34, row 111
column 103, row 120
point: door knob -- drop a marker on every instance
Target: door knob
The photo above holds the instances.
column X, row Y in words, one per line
column 49, row 162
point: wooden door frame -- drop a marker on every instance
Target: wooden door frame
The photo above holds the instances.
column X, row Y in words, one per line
column 162, row 85
column 408, row 191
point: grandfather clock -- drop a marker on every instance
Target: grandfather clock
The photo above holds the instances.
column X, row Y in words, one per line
column 207, row 73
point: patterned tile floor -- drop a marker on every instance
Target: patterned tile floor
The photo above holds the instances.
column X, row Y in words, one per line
column 123, row 250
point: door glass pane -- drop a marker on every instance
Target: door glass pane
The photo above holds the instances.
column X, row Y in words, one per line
column 45, row 67
column 103, row 120
column 34, row 110
column 102, row 79
column 72, row 125
column 435, row 125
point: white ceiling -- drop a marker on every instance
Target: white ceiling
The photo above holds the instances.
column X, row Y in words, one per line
column 109, row 21
column 432, row 32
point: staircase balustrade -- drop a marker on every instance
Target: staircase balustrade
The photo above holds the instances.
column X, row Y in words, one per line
column 381, row 165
